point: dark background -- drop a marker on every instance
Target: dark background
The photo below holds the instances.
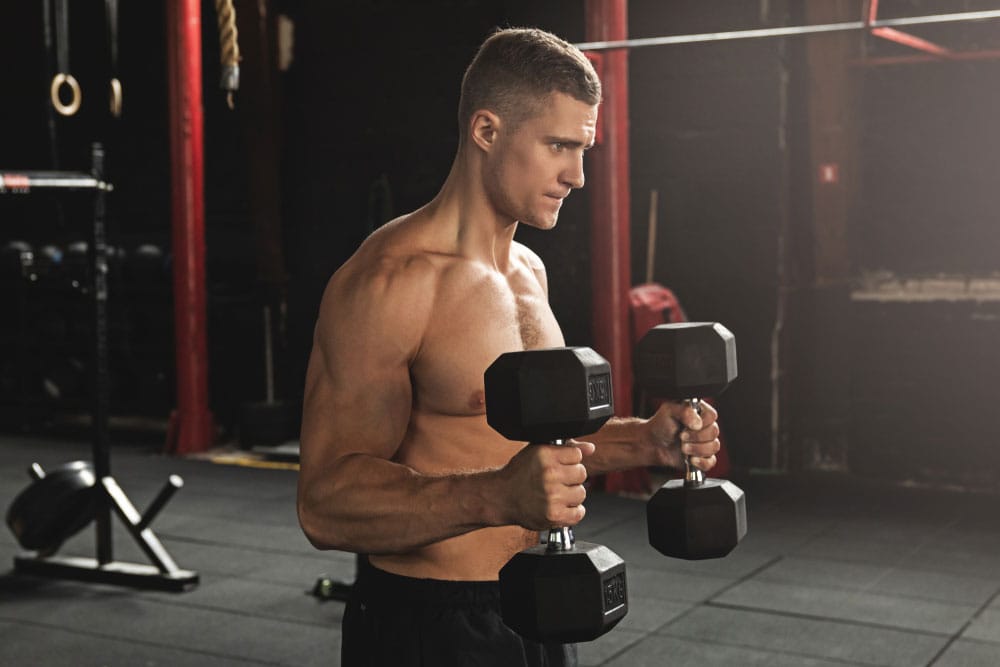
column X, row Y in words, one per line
column 366, row 130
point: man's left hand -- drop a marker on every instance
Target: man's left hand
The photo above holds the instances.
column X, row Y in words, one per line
column 678, row 430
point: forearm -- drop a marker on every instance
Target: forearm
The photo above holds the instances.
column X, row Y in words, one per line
column 370, row 505
column 621, row 443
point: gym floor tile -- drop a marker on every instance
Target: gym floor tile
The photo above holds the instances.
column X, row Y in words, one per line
column 856, row 550
column 772, row 543
column 833, row 640
column 903, row 531
column 25, row 644
column 834, row 571
column 288, row 538
column 599, row 651
column 302, row 570
column 872, row 578
column 672, row 586
column 263, row 600
column 163, row 622
column 970, row 654
column 955, row 558
column 985, row 627
column 649, row 614
column 656, row 651
column 630, row 540
column 219, row 559
column 861, row 607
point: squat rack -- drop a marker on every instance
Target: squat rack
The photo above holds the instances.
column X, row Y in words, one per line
column 164, row 574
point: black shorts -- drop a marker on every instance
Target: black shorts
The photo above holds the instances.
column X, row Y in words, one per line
column 399, row 621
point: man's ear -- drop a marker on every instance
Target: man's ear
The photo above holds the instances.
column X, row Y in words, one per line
column 484, row 127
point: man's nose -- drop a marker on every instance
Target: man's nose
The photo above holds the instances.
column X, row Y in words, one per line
column 573, row 176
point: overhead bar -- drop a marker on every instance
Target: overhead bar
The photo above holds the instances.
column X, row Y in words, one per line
column 20, row 182
column 787, row 31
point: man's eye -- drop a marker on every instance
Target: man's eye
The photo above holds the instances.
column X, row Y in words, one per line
column 558, row 146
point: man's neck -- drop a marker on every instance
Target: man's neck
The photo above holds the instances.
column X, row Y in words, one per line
column 464, row 208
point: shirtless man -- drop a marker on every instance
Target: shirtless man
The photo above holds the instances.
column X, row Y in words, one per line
column 397, row 460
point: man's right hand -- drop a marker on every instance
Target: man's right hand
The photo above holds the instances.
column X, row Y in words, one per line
column 544, row 485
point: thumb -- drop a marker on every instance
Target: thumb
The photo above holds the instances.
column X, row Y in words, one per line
column 692, row 419
column 587, row 448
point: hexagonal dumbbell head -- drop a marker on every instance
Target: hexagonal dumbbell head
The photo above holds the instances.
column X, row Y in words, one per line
column 687, row 360
column 563, row 596
column 550, row 394
column 694, row 518
column 696, row 522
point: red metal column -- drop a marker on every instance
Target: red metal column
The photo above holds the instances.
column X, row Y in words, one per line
column 610, row 247
column 191, row 423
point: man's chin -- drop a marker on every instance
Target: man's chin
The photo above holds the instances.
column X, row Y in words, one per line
column 542, row 223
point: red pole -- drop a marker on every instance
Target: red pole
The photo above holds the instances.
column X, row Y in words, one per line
column 610, row 245
column 191, row 423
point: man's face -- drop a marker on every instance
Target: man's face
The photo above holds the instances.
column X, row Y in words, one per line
column 537, row 164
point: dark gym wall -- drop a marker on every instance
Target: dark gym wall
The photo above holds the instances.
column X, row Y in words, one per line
column 704, row 133
column 369, row 132
column 138, row 162
column 923, row 369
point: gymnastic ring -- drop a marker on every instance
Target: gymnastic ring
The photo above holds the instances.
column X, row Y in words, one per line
column 116, row 98
column 74, row 105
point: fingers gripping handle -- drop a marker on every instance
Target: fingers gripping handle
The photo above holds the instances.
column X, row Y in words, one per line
column 693, row 476
column 560, row 537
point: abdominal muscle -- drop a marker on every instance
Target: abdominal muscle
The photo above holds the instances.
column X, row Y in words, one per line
column 437, row 444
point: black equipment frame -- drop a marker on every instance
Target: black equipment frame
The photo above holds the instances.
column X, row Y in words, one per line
column 163, row 573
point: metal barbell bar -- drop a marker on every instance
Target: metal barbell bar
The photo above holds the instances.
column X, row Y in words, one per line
column 787, row 31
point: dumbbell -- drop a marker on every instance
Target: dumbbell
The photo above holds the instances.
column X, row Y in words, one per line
column 562, row 591
column 694, row 518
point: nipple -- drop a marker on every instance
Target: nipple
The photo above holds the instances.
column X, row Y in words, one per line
column 478, row 400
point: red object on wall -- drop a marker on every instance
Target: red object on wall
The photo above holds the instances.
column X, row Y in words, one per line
column 191, row 427
column 652, row 304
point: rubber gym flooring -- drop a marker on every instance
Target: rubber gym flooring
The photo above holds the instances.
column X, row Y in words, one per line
column 834, row 571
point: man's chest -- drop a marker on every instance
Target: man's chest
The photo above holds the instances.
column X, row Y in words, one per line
column 467, row 332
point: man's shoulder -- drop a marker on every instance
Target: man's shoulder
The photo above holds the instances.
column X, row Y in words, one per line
column 528, row 256
column 388, row 257
column 381, row 297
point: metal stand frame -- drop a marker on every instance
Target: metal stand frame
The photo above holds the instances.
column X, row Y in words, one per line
column 163, row 574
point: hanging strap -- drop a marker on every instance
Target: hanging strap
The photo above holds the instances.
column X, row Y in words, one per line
column 115, row 92
column 50, row 65
column 63, row 77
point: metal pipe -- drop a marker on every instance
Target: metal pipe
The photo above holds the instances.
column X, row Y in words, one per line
column 174, row 483
column 787, row 31
column 916, row 59
column 100, row 370
column 610, row 246
column 193, row 423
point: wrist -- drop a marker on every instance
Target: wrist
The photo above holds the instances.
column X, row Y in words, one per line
column 494, row 498
column 648, row 445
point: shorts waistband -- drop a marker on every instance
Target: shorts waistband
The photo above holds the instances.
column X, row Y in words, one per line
column 375, row 586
